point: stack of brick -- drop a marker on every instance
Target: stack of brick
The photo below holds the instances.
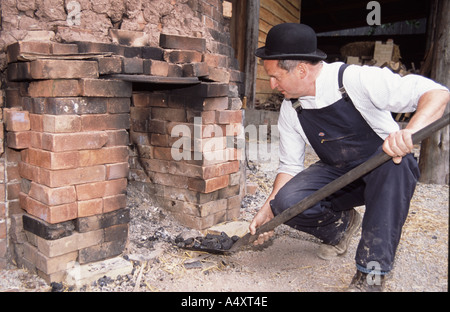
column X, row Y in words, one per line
column 67, row 126
column 71, row 129
column 194, row 173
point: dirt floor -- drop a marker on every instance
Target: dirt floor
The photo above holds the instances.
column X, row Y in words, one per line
column 288, row 263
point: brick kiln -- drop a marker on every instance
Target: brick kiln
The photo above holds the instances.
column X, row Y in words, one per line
column 84, row 119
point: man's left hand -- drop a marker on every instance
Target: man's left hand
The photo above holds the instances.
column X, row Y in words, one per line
column 398, row 144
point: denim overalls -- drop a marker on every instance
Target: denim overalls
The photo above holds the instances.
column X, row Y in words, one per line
column 342, row 139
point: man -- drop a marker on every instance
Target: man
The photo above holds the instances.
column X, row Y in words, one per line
column 344, row 113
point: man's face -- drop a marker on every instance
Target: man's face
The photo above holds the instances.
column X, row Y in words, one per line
column 290, row 84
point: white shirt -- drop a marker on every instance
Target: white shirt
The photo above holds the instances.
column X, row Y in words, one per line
column 375, row 92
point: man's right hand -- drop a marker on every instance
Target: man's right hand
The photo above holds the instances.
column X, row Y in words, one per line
column 263, row 216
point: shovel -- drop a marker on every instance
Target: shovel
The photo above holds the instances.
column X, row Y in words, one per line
column 331, row 188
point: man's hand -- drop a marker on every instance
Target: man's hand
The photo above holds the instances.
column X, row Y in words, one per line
column 263, row 216
column 398, row 144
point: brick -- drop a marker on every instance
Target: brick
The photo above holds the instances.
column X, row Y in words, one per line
column 133, row 66
column 59, row 142
column 106, row 155
column 139, row 118
column 154, row 53
column 118, row 105
column 117, row 171
column 101, row 252
column 51, row 214
column 52, row 196
column 19, row 71
column 116, row 202
column 100, row 122
column 46, row 230
column 218, row 74
column 74, row 242
column 16, row 120
column 63, row 69
column 18, row 140
column 36, row 122
column 61, row 123
column 208, row 185
column 99, row 47
column 105, row 88
column 183, row 43
column 51, row 160
column 228, row 117
column 220, row 169
column 145, row 99
column 58, row 178
column 54, row 88
column 46, row 264
column 117, row 138
column 169, row 114
column 90, row 207
column 14, row 50
column 169, row 179
column 182, row 56
column 195, row 70
column 116, row 233
column 216, row 60
column 156, row 68
column 110, row 65
column 63, row 48
column 216, row 103
column 101, row 189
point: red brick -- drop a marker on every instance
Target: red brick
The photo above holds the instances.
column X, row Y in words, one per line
column 217, row 103
column 17, row 48
column 52, row 196
column 37, row 122
column 181, row 42
column 18, row 140
column 90, row 207
column 28, row 171
column 115, row 202
column 51, row 214
column 58, row 178
column 63, row 48
column 142, row 99
column 101, row 189
column 169, row 114
column 216, row 60
column 63, row 69
column 156, row 68
column 16, row 120
column 220, row 169
column 117, row 171
column 110, row 65
column 182, row 56
column 106, row 155
column 133, row 65
column 219, row 74
column 195, row 70
column 117, row 138
column 105, row 88
column 54, row 88
column 61, row 123
column 51, row 160
column 99, row 122
column 118, row 105
column 228, row 116
column 58, row 142
column 208, row 185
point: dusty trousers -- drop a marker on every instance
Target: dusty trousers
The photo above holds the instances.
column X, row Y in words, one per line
column 342, row 139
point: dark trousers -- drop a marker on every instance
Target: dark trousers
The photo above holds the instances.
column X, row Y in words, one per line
column 386, row 193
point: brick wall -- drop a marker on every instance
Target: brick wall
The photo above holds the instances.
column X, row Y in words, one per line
column 75, row 136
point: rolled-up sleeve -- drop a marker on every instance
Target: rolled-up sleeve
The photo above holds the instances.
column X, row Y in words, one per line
column 291, row 144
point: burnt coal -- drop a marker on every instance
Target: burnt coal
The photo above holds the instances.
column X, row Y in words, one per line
column 209, row 242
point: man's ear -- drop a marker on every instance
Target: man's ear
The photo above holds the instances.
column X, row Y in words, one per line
column 302, row 70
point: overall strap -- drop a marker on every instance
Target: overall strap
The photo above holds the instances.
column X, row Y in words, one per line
column 340, row 82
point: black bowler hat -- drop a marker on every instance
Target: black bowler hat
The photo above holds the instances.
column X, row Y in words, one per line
column 291, row 41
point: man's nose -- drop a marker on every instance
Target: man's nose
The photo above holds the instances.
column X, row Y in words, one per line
column 273, row 83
